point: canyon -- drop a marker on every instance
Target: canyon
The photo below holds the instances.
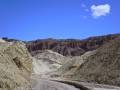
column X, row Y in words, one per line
column 60, row 64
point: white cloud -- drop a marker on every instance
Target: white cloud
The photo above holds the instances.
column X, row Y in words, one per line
column 100, row 10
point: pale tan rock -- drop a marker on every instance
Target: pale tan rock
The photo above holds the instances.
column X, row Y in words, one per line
column 2, row 41
column 15, row 66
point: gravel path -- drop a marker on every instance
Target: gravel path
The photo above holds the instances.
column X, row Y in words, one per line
column 41, row 84
column 52, row 84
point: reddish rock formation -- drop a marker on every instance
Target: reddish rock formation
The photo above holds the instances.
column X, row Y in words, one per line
column 71, row 47
column 68, row 47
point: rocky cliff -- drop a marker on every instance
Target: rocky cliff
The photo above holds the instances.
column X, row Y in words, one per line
column 15, row 66
column 70, row 47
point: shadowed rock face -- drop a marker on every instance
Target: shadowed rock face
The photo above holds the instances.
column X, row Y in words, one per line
column 70, row 47
column 15, row 66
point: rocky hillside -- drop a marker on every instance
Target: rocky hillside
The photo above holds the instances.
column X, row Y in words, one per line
column 68, row 69
column 70, row 47
column 50, row 56
column 15, row 66
column 96, row 59
column 47, row 61
column 101, row 66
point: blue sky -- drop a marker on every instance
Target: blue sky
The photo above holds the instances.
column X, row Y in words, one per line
column 33, row 19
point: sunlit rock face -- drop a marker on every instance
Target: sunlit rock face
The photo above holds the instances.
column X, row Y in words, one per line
column 15, row 66
column 47, row 61
column 2, row 41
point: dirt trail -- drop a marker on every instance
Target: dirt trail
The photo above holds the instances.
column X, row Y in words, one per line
column 39, row 83
column 42, row 84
